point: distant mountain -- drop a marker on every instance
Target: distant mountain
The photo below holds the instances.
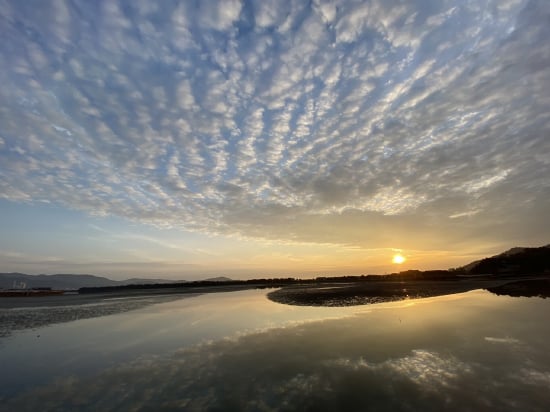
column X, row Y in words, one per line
column 69, row 281
column 141, row 281
column 218, row 279
column 515, row 261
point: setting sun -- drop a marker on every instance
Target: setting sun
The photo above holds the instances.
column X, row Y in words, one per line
column 398, row 259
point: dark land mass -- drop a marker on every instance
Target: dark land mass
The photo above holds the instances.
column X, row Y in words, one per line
column 516, row 272
column 516, row 261
column 524, row 288
column 517, row 264
column 68, row 281
column 362, row 293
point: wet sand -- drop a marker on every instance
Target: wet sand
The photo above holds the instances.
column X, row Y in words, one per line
column 21, row 313
column 362, row 293
column 73, row 298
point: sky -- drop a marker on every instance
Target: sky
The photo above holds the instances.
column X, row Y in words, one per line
column 271, row 138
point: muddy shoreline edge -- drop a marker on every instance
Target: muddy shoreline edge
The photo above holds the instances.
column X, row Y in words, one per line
column 363, row 293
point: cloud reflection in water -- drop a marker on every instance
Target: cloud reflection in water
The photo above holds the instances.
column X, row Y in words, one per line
column 432, row 360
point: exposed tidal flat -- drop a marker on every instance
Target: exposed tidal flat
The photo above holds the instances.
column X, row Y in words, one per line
column 59, row 310
column 242, row 351
column 20, row 313
column 363, row 293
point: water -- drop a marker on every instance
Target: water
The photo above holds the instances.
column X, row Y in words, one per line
column 240, row 351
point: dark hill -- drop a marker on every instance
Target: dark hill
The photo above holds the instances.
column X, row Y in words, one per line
column 516, row 261
column 68, row 281
column 219, row 279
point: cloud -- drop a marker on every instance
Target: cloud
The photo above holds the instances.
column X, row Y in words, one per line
column 508, row 340
column 219, row 14
column 339, row 122
column 280, row 369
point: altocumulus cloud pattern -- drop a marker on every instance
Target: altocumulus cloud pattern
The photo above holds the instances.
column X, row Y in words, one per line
column 346, row 122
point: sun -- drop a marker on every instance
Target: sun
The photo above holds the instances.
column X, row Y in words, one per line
column 398, row 259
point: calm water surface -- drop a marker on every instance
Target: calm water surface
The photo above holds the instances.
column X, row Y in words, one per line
column 240, row 351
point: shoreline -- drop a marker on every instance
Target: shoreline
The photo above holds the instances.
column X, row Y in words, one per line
column 70, row 299
column 23, row 313
column 26, row 313
column 364, row 293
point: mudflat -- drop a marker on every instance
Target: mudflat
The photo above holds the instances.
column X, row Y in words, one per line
column 73, row 298
column 30, row 312
column 361, row 293
column 19, row 313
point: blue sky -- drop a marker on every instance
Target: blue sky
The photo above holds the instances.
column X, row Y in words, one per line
column 270, row 137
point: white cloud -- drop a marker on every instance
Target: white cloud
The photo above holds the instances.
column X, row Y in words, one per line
column 423, row 367
column 313, row 112
column 485, row 182
column 507, row 340
column 269, row 14
column 219, row 14
column 326, row 9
